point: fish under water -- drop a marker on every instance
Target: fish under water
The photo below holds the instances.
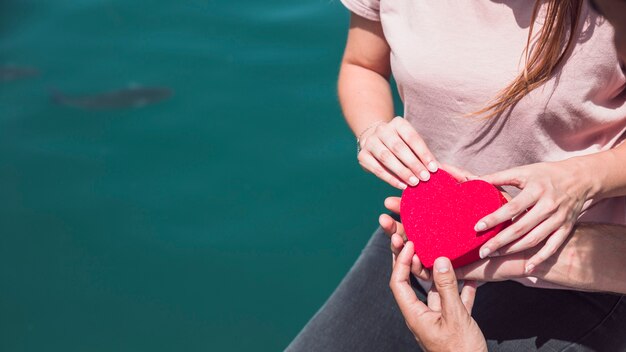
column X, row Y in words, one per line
column 11, row 73
column 132, row 97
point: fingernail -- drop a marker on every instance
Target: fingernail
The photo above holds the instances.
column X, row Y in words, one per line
column 413, row 180
column 402, row 185
column 441, row 265
column 529, row 268
column 425, row 175
column 432, row 166
column 481, row 226
column 484, row 253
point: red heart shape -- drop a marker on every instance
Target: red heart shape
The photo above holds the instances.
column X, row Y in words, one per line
column 439, row 217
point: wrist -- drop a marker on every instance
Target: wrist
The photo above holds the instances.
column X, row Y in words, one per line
column 591, row 171
column 362, row 137
column 366, row 132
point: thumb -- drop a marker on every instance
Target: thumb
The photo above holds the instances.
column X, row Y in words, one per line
column 445, row 280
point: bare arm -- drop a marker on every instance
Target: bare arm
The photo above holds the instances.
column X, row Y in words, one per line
column 364, row 90
column 390, row 147
column 592, row 259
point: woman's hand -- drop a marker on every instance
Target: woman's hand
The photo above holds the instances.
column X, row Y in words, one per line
column 396, row 153
column 552, row 197
column 445, row 324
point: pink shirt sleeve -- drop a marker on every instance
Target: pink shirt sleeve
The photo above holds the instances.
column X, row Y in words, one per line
column 369, row 9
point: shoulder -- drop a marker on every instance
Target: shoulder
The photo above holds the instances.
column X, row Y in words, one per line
column 369, row 9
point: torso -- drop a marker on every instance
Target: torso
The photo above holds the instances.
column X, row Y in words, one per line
column 450, row 57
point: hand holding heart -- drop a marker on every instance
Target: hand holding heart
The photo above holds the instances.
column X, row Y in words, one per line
column 554, row 193
column 556, row 199
column 439, row 217
column 395, row 230
column 396, row 153
column 490, row 269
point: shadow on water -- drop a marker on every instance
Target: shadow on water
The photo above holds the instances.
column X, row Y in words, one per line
column 10, row 73
column 132, row 97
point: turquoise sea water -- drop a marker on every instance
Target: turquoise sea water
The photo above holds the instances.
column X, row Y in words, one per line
column 217, row 220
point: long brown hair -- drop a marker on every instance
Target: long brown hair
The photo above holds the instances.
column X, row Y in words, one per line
column 542, row 56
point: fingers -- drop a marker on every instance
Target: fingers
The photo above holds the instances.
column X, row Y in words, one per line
column 524, row 200
column 368, row 162
column 555, row 202
column 408, row 302
column 552, row 245
column 445, row 282
column 519, row 228
column 393, row 204
column 433, row 299
column 397, row 154
column 388, row 224
column 386, row 156
column 397, row 243
column 395, row 230
column 416, row 143
column 405, row 155
column 468, row 294
column 534, row 237
column 418, row 269
column 510, row 177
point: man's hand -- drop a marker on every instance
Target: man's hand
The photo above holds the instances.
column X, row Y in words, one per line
column 445, row 324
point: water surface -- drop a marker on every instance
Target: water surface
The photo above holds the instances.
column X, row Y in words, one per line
column 219, row 219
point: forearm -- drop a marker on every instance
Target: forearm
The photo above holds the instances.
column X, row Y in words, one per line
column 593, row 259
column 606, row 172
column 365, row 97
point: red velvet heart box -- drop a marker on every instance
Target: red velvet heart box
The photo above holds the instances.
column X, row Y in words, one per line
column 439, row 216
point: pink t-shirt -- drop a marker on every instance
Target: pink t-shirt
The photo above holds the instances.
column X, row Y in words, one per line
column 450, row 58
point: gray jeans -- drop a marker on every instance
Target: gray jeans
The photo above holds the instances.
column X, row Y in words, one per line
column 361, row 315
